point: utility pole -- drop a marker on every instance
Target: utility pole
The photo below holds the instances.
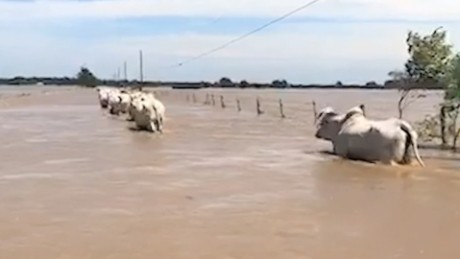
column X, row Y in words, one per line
column 141, row 70
column 141, row 67
column 125, row 71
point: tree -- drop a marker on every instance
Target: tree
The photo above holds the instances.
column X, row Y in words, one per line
column 244, row 84
column 86, row 78
column 453, row 80
column 225, row 82
column 431, row 63
column 430, row 56
column 371, row 84
column 452, row 97
column 205, row 84
column 405, row 88
column 280, row 83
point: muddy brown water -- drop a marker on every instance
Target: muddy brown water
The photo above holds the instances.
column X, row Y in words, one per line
column 78, row 183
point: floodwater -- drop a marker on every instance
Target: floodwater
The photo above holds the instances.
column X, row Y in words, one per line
column 76, row 182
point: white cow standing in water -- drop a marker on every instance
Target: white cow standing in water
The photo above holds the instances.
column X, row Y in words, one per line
column 103, row 95
column 119, row 101
column 355, row 137
column 134, row 96
column 148, row 112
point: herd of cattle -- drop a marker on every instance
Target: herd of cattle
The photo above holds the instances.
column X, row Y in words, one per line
column 143, row 108
column 352, row 134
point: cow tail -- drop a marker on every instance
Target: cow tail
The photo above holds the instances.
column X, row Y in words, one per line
column 411, row 140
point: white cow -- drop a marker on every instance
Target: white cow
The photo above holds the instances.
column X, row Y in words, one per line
column 103, row 95
column 148, row 113
column 356, row 137
column 119, row 101
column 113, row 101
column 159, row 111
column 131, row 108
column 134, row 96
column 124, row 99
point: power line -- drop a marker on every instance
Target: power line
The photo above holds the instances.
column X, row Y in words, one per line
column 216, row 20
column 225, row 45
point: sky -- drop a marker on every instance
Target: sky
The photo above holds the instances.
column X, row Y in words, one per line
column 354, row 41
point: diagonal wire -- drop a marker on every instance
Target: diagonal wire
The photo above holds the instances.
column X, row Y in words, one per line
column 225, row 45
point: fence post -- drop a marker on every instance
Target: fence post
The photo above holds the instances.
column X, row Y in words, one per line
column 213, row 101
column 206, row 101
column 222, row 103
column 238, row 105
column 281, row 109
column 194, row 98
column 456, row 130
column 259, row 110
column 315, row 112
column 442, row 119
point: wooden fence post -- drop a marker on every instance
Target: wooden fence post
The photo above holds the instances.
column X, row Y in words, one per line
column 194, row 98
column 259, row 110
column 213, row 101
column 281, row 108
column 206, row 101
column 315, row 112
column 238, row 105
column 222, row 103
column 442, row 119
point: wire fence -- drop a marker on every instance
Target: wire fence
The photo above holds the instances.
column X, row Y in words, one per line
column 266, row 106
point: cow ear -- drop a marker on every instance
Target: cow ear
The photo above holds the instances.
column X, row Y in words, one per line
column 328, row 114
column 363, row 108
column 321, row 114
column 351, row 114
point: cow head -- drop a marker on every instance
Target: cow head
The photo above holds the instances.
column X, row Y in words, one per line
column 328, row 124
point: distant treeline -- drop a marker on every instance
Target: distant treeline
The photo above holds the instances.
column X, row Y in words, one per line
column 223, row 83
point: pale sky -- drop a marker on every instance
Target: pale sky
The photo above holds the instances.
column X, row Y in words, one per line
column 354, row 41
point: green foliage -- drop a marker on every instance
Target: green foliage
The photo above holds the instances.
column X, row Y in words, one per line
column 225, row 81
column 244, row 84
column 280, row 83
column 429, row 128
column 399, row 76
column 453, row 80
column 431, row 62
column 86, row 78
column 405, row 86
column 371, row 83
column 430, row 57
column 399, row 80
